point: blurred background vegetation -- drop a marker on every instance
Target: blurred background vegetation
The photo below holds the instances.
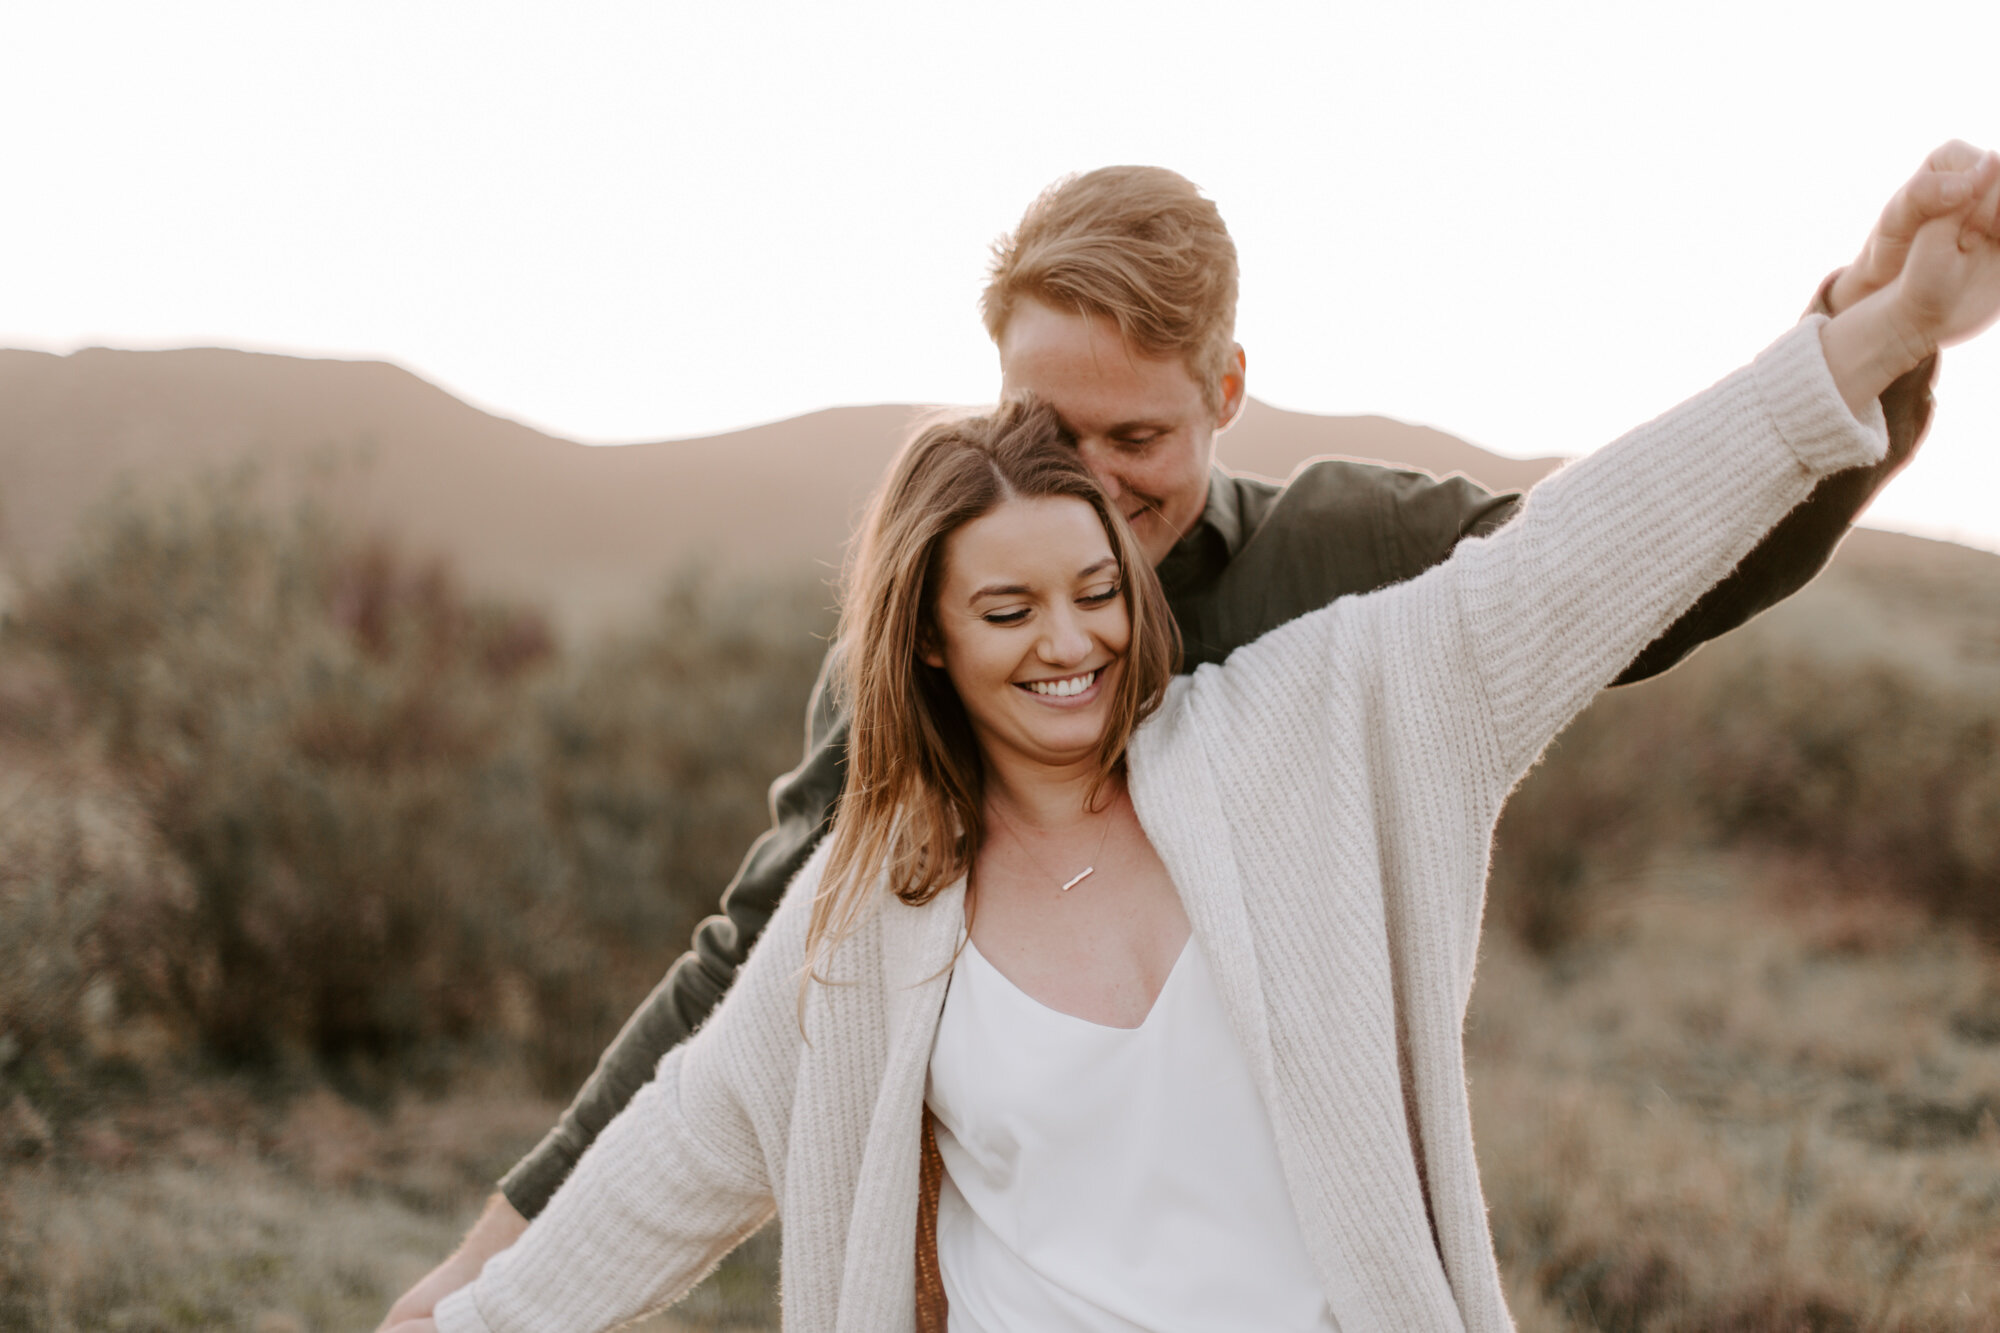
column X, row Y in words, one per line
column 323, row 882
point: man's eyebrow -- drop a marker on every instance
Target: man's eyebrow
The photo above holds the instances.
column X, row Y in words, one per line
column 1136, row 424
column 1023, row 590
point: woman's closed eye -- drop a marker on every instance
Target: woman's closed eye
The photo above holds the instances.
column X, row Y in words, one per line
column 1091, row 600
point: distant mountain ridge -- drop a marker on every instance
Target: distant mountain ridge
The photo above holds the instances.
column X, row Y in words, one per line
column 590, row 532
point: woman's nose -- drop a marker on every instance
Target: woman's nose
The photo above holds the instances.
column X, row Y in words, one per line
column 1064, row 640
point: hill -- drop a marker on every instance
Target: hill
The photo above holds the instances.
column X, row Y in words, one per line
column 588, row 531
column 592, row 532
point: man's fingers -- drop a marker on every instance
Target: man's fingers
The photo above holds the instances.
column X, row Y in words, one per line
column 1957, row 174
column 1931, row 195
column 1958, row 155
column 1987, row 187
column 1982, row 220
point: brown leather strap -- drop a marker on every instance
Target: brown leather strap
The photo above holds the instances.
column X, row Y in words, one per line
column 932, row 1308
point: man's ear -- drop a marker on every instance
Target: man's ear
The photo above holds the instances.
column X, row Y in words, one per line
column 1234, row 396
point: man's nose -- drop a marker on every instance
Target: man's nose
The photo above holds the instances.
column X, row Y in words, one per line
column 1096, row 456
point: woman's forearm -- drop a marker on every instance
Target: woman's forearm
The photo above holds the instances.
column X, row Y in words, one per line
column 1869, row 347
column 647, row 1212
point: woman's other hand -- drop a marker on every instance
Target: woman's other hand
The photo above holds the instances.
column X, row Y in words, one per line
column 497, row 1228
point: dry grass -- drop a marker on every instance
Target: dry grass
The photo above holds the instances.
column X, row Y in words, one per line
column 1742, row 1105
column 213, row 1205
column 218, row 1207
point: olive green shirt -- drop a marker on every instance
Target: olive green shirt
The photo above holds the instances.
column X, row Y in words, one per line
column 1261, row 555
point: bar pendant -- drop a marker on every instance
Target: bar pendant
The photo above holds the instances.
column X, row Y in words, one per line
column 1081, row 876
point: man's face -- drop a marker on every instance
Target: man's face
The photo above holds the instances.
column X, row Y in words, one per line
column 1140, row 421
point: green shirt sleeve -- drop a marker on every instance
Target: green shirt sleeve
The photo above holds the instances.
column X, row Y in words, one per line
column 802, row 804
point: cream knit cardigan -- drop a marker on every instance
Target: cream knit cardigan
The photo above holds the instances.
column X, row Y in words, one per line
column 1324, row 802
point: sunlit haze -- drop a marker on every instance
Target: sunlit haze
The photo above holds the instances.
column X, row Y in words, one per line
column 1529, row 225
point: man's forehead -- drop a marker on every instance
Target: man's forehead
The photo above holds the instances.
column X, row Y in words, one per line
column 1099, row 399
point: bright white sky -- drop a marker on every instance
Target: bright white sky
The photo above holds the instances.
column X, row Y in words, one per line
column 1532, row 225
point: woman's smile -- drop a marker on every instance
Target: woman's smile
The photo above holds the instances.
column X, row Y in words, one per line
column 1070, row 690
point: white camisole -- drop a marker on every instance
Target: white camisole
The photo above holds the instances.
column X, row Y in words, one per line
column 1100, row 1178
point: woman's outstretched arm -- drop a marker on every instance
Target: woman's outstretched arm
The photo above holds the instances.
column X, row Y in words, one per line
column 681, row 1176
column 1548, row 602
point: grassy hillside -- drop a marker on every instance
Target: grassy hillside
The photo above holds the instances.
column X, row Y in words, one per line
column 586, row 534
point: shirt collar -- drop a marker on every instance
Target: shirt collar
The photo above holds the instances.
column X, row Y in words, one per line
column 1211, row 543
column 1224, row 511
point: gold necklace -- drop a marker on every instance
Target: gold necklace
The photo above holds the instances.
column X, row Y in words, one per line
column 1081, row 875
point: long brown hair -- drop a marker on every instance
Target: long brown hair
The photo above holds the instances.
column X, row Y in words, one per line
column 911, row 805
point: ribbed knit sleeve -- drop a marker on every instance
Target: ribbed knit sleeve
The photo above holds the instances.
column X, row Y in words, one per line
column 681, row 1177
column 1608, row 551
column 646, row 1213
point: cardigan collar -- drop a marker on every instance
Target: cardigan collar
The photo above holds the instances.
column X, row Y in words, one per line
column 919, row 945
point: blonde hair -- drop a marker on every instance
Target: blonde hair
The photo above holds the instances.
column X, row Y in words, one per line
column 910, row 807
column 1139, row 246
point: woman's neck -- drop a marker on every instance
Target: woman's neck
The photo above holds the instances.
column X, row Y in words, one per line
column 1046, row 798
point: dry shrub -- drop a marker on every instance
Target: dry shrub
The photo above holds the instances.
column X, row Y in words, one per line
column 383, row 823
column 656, row 754
column 85, row 884
column 1882, row 777
column 330, row 742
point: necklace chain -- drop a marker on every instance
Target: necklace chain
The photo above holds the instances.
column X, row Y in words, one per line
column 1081, row 875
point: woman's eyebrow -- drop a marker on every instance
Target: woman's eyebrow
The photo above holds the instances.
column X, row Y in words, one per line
column 1023, row 590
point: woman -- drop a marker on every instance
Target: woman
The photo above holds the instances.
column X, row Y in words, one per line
column 1280, row 860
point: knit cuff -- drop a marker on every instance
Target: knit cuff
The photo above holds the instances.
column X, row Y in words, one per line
column 1807, row 408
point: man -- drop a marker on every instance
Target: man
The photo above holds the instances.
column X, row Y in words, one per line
column 1114, row 301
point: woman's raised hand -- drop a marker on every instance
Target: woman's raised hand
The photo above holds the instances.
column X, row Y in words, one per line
column 1949, row 286
column 1946, row 290
column 1944, row 184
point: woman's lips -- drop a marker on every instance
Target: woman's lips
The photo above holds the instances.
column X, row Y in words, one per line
column 1065, row 689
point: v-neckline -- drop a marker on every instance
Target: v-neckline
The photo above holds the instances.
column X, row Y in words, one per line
column 1180, row 961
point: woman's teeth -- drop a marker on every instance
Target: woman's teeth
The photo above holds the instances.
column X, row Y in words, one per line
column 1062, row 689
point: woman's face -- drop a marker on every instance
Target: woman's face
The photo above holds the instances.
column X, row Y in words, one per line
column 1032, row 628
